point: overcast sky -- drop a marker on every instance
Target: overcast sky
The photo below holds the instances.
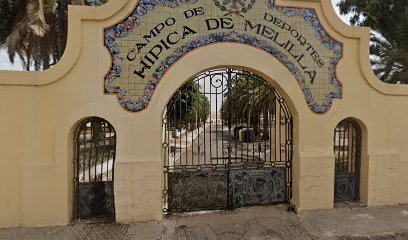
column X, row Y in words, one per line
column 6, row 65
column 345, row 18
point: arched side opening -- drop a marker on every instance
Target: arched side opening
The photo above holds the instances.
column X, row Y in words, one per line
column 347, row 150
column 95, row 152
column 227, row 143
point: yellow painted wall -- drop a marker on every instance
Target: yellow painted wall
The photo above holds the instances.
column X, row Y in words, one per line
column 39, row 112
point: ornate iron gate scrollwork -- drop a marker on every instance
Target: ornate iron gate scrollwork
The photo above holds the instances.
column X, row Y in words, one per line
column 258, row 187
column 347, row 143
column 95, row 145
column 227, row 143
column 197, row 190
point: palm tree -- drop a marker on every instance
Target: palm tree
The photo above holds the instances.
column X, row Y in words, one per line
column 390, row 59
column 389, row 42
column 188, row 106
column 250, row 100
column 36, row 30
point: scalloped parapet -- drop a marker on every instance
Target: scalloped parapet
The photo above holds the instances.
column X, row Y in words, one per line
column 157, row 33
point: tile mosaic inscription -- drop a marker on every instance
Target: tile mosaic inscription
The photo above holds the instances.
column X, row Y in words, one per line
column 159, row 32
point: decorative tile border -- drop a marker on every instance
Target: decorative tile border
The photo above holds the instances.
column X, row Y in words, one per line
column 123, row 29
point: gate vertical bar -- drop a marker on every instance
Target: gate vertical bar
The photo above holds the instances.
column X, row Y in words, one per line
column 266, row 130
column 229, row 193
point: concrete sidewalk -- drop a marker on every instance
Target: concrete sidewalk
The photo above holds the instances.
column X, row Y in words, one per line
column 272, row 222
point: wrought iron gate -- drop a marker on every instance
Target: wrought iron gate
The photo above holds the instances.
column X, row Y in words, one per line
column 95, row 145
column 227, row 143
column 347, row 142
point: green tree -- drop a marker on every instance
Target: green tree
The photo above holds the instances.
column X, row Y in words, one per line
column 36, row 30
column 250, row 101
column 389, row 42
column 188, row 106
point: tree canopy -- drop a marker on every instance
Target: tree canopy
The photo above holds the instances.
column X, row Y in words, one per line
column 389, row 41
column 36, row 30
column 188, row 105
column 250, row 101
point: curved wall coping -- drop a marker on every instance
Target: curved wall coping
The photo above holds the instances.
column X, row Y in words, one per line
column 77, row 14
column 360, row 33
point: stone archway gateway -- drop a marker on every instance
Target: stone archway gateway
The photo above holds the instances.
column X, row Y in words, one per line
column 227, row 143
column 125, row 61
column 347, row 151
column 95, row 153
